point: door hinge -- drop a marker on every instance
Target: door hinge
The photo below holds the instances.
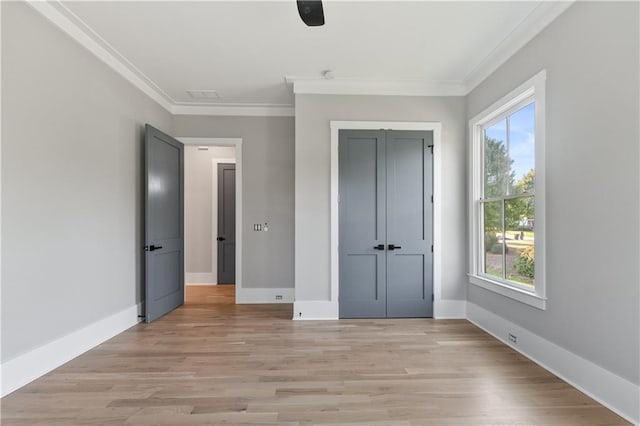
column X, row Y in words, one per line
column 432, row 198
column 432, row 298
column 431, row 147
column 431, row 248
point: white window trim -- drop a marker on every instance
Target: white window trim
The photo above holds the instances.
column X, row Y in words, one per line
column 532, row 89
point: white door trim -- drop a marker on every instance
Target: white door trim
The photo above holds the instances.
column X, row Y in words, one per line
column 237, row 144
column 436, row 127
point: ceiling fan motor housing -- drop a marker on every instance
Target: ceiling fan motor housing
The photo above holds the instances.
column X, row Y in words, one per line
column 311, row 12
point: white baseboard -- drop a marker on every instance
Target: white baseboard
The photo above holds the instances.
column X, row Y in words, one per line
column 614, row 392
column 200, row 278
column 312, row 310
column 450, row 309
column 264, row 295
column 326, row 310
column 25, row 368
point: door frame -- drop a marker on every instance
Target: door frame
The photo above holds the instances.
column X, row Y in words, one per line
column 237, row 144
column 436, row 127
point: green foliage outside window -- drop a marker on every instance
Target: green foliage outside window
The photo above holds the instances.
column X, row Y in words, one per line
column 497, row 179
column 525, row 262
column 500, row 180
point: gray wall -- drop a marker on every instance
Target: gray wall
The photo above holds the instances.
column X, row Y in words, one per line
column 201, row 204
column 313, row 163
column 267, row 163
column 71, row 184
column 591, row 57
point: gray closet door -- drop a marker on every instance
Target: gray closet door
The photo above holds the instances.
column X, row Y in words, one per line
column 226, row 223
column 362, row 224
column 164, row 223
column 386, row 231
column 409, row 224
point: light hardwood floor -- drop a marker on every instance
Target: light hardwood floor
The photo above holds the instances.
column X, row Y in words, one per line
column 210, row 295
column 212, row 362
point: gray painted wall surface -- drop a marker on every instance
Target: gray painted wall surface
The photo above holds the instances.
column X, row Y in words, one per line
column 71, row 184
column 201, row 207
column 267, row 181
column 313, row 165
column 591, row 57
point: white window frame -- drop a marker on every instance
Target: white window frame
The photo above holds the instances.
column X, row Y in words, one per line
column 531, row 90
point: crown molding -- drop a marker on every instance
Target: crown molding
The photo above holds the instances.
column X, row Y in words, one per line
column 69, row 23
column 531, row 25
column 63, row 18
column 82, row 33
column 317, row 86
column 245, row 110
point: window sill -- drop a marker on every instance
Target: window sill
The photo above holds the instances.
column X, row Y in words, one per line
column 522, row 296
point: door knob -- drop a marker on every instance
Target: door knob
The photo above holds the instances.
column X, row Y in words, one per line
column 379, row 247
column 221, row 238
column 152, row 248
column 393, row 247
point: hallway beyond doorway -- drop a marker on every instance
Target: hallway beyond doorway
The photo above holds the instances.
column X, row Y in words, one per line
column 210, row 294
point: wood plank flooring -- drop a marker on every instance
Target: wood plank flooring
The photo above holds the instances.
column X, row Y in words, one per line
column 210, row 294
column 211, row 362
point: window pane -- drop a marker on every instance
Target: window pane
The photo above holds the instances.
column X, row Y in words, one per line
column 520, row 237
column 496, row 162
column 522, row 150
column 493, row 242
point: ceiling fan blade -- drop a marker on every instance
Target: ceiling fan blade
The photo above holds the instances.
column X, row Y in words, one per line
column 311, row 12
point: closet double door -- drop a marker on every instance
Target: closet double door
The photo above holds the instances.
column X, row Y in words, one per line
column 386, row 224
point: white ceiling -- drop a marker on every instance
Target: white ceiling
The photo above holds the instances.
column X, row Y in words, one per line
column 244, row 50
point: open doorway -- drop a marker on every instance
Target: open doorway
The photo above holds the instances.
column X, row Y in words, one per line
column 213, row 217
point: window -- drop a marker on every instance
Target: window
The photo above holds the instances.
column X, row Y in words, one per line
column 507, row 195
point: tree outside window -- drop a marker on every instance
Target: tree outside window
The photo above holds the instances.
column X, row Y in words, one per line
column 508, row 197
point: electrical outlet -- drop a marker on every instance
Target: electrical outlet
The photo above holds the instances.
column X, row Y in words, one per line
column 278, row 297
column 513, row 338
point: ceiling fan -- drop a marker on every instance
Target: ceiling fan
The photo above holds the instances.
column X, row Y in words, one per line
column 311, row 12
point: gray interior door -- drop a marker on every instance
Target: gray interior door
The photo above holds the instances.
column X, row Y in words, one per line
column 362, row 217
column 409, row 224
column 386, row 224
column 226, row 223
column 164, row 223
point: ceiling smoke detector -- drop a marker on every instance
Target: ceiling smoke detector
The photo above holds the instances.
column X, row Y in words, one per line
column 203, row 94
